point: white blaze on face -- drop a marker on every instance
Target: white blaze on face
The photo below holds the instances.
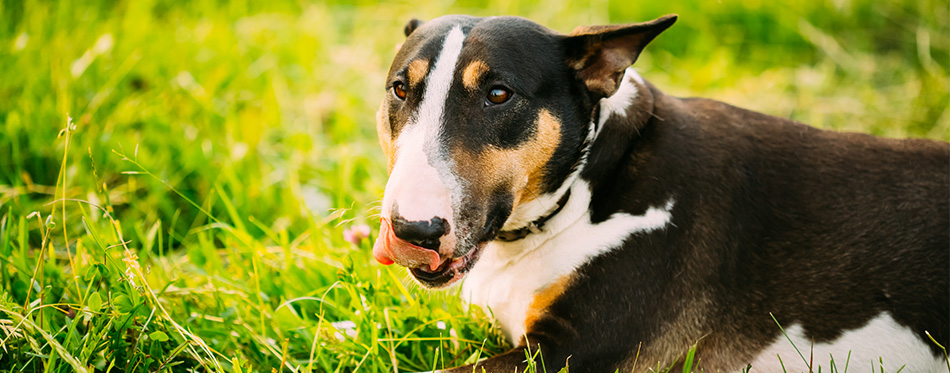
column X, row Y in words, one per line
column 422, row 183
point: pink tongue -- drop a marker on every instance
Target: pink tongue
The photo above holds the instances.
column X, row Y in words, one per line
column 381, row 247
column 381, row 254
column 389, row 249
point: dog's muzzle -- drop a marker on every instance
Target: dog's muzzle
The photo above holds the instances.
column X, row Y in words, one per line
column 408, row 249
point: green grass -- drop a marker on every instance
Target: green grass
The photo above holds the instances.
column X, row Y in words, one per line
column 191, row 215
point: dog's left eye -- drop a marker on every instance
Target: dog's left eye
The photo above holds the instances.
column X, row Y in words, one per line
column 499, row 95
column 399, row 90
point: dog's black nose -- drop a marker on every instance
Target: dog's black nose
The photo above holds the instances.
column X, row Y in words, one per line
column 420, row 233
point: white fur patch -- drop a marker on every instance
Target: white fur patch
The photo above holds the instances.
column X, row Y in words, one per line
column 421, row 181
column 509, row 274
column 414, row 183
column 631, row 72
column 439, row 81
column 618, row 103
column 881, row 339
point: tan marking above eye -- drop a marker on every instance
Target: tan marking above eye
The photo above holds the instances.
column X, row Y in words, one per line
column 417, row 71
column 472, row 73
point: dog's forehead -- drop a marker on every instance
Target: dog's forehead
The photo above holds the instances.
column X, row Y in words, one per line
column 503, row 31
column 512, row 43
column 425, row 43
column 495, row 39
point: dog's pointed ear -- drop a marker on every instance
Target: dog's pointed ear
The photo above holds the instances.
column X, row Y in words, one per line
column 411, row 26
column 600, row 54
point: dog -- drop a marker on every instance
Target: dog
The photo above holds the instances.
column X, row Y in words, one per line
column 609, row 226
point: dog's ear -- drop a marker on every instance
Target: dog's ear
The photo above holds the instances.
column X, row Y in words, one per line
column 600, row 54
column 411, row 26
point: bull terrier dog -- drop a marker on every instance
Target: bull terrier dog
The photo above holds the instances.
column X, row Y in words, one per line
column 610, row 226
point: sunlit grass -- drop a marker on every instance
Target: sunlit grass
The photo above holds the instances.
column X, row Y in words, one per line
column 192, row 215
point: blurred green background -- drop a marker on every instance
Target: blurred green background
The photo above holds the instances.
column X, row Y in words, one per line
column 192, row 213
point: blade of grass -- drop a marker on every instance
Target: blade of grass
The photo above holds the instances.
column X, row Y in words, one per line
column 790, row 341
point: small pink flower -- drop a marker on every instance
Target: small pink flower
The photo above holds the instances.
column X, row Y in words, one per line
column 356, row 233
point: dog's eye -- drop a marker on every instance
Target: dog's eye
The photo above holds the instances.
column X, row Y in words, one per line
column 399, row 90
column 499, row 95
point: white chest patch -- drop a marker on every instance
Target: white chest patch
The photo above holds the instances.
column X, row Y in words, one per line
column 882, row 339
column 509, row 274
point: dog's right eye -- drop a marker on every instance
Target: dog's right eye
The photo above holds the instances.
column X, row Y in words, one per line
column 399, row 90
column 499, row 95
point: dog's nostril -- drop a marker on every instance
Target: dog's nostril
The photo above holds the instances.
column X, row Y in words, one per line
column 421, row 233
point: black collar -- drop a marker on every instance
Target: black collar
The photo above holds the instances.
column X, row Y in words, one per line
column 535, row 226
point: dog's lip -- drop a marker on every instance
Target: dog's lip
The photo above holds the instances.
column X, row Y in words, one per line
column 450, row 271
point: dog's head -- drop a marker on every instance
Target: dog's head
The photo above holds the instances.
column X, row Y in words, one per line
column 483, row 116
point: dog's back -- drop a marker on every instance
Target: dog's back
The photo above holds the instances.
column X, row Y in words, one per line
column 830, row 232
column 843, row 238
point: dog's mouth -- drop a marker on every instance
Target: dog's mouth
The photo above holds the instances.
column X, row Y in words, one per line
column 450, row 271
column 430, row 267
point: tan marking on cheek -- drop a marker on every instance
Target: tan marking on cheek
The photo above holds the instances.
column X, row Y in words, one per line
column 522, row 168
column 390, row 152
column 544, row 299
column 483, row 171
column 384, row 132
column 417, row 71
column 472, row 73
column 536, row 154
